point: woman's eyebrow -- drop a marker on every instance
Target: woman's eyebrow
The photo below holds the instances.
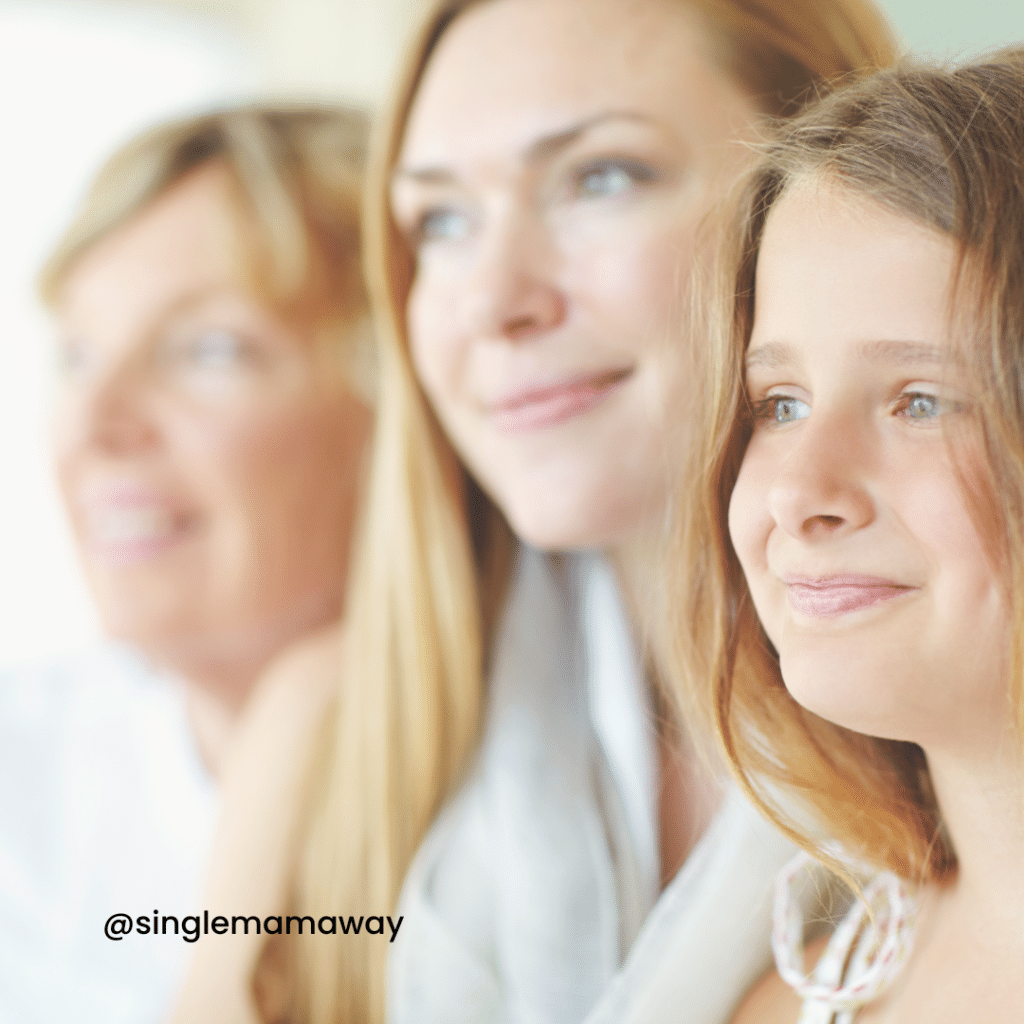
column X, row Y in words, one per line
column 550, row 145
column 543, row 148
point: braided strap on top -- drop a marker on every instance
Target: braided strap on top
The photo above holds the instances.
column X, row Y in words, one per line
column 880, row 947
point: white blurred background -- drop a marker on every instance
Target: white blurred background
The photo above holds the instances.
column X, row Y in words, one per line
column 77, row 78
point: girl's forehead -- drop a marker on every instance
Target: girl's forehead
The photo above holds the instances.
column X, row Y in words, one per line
column 837, row 272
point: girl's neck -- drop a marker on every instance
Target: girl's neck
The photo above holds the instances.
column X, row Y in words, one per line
column 982, row 801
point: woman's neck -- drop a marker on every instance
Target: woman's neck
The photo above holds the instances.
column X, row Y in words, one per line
column 690, row 791
column 214, row 703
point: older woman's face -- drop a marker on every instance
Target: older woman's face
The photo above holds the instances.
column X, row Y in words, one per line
column 557, row 160
column 206, row 457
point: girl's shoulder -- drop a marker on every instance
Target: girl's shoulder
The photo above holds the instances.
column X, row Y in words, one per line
column 772, row 1000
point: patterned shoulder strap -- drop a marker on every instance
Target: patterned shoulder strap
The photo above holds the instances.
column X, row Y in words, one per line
column 864, row 955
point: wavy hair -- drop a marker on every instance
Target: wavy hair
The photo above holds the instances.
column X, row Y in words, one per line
column 944, row 148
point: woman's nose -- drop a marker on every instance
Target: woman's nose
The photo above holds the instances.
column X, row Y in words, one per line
column 108, row 412
column 512, row 290
column 821, row 488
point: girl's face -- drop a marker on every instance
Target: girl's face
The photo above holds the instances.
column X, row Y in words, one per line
column 206, row 457
column 557, row 159
column 848, row 517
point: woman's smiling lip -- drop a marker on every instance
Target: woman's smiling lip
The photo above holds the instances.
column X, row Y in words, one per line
column 126, row 523
column 545, row 405
column 828, row 597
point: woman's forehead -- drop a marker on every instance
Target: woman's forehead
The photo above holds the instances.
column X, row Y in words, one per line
column 508, row 73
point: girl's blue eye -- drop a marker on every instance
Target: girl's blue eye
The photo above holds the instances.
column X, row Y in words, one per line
column 611, row 178
column 781, row 409
column 442, row 225
column 921, row 407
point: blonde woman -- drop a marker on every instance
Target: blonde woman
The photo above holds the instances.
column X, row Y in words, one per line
column 533, row 205
column 859, row 543
column 211, row 413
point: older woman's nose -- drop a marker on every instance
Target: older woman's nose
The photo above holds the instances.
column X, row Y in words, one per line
column 110, row 412
column 821, row 488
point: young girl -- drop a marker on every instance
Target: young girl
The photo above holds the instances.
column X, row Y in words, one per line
column 859, row 606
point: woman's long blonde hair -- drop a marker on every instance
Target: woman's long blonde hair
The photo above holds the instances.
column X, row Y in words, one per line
column 945, row 149
column 434, row 553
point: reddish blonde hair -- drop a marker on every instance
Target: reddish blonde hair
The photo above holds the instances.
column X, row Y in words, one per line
column 946, row 149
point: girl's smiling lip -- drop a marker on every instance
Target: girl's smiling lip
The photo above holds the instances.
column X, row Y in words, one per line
column 829, row 597
column 544, row 405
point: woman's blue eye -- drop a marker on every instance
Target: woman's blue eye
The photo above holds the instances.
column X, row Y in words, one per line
column 73, row 358
column 211, row 350
column 611, row 179
column 442, row 225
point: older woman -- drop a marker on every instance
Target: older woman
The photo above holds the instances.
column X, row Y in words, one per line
column 211, row 415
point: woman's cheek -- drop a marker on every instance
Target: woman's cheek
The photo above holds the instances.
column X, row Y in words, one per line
column 428, row 344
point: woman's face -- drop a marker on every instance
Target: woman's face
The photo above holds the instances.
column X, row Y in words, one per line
column 206, row 456
column 848, row 517
column 557, row 159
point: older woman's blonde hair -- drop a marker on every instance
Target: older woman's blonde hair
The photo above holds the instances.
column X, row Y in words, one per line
column 295, row 174
column 434, row 557
column 945, row 149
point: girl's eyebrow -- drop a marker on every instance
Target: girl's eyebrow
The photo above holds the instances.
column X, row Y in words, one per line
column 776, row 354
column 542, row 148
column 902, row 352
column 773, row 355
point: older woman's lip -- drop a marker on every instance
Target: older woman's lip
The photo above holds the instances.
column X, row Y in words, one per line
column 829, row 597
column 124, row 523
column 546, row 405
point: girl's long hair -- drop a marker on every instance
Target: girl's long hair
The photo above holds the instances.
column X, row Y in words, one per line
column 434, row 553
column 945, row 149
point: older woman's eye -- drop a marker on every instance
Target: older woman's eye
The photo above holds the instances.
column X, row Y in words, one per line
column 212, row 350
column 609, row 178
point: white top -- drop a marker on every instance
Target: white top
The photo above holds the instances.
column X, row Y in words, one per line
column 866, row 952
column 534, row 898
column 105, row 808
